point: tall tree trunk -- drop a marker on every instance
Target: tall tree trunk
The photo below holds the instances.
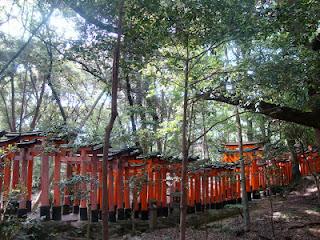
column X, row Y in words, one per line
column 246, row 217
column 249, row 129
column 185, row 151
column 205, row 146
column 131, row 104
column 23, row 103
column 85, row 119
column 37, row 109
column 13, row 105
column 109, row 127
column 53, row 90
column 152, row 103
column 142, row 114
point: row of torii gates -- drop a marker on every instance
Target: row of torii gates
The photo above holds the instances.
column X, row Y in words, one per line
column 135, row 183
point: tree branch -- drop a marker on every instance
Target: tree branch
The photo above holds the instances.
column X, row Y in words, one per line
column 310, row 119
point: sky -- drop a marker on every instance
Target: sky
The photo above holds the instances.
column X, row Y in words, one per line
column 64, row 27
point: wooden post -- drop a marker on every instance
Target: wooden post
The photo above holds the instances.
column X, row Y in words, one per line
column 112, row 214
column 44, row 197
column 197, row 190
column 76, row 201
column 212, row 195
column 150, row 184
column 100, row 191
column 83, row 186
column 164, row 192
column 255, row 179
column 16, row 171
column 7, row 177
column 135, row 198
column 120, row 190
column 56, row 209
column 216, row 191
column 127, row 208
column 157, row 187
column 29, row 183
column 93, row 186
column 2, row 164
column 22, row 211
column 207, row 190
column 67, row 198
column 193, row 199
column 144, row 202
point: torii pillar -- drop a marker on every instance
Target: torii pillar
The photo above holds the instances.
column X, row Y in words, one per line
column 56, row 209
column 93, row 193
column 83, row 186
column 44, row 197
column 22, row 211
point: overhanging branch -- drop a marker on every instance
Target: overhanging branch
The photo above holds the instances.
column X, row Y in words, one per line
column 310, row 119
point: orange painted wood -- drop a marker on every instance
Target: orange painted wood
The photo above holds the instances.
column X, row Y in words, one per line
column 216, row 189
column 120, row 187
column 23, row 177
column 76, row 188
column 150, row 185
column 15, row 174
column 164, row 187
column 29, row 183
column 111, row 187
column 7, row 176
column 83, row 173
column 192, row 189
column 56, row 186
column 44, row 197
column 197, row 188
column 126, row 189
column 143, row 197
column 157, row 187
column 94, row 181
column 211, row 187
column 1, row 177
column 115, row 181
column 100, row 188
column 66, row 189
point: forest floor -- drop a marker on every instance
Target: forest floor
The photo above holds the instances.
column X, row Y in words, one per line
column 295, row 215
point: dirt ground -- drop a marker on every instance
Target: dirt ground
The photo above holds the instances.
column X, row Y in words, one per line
column 295, row 216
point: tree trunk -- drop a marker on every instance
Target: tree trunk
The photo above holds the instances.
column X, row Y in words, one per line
column 142, row 114
column 249, row 129
column 85, row 119
column 109, row 127
column 131, row 104
column 37, row 109
column 13, row 105
column 205, row 146
column 49, row 79
column 295, row 162
column 152, row 103
column 22, row 103
column 185, row 152
column 246, row 217
column 6, row 110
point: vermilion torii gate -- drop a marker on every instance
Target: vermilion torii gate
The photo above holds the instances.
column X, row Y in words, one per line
column 135, row 183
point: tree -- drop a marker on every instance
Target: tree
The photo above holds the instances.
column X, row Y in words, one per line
column 245, row 205
column 114, row 113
